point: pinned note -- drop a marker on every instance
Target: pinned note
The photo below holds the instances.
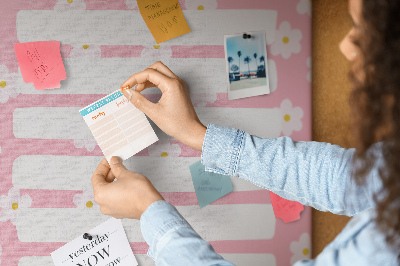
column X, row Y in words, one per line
column 288, row 211
column 41, row 63
column 118, row 126
column 107, row 244
column 209, row 186
column 164, row 19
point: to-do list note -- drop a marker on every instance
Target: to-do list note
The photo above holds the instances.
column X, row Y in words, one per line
column 118, row 126
column 164, row 19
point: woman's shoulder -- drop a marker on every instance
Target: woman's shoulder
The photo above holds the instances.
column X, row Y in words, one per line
column 361, row 240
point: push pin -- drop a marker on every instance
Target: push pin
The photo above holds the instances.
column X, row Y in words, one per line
column 87, row 236
column 125, row 88
column 246, row 36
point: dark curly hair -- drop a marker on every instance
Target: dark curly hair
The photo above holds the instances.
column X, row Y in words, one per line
column 375, row 103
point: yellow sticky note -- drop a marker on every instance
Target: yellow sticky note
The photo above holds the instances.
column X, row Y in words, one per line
column 164, row 18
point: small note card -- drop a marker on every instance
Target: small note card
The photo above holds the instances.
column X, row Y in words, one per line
column 164, row 19
column 209, row 186
column 118, row 126
column 41, row 63
column 108, row 246
column 288, row 211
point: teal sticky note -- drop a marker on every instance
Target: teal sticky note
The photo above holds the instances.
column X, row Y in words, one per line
column 209, row 186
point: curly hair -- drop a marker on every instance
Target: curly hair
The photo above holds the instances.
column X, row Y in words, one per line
column 375, row 102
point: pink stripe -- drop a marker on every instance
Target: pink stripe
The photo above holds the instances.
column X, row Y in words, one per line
column 113, row 5
column 106, row 5
column 46, row 198
column 178, row 51
column 108, row 51
column 198, row 51
column 65, row 50
column 235, row 197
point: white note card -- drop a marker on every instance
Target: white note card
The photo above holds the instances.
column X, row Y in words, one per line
column 119, row 128
column 109, row 246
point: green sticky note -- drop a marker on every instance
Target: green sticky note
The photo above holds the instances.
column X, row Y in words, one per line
column 209, row 186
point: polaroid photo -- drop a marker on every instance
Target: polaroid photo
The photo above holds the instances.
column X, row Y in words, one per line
column 246, row 64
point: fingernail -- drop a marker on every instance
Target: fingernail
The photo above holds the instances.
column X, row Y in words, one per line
column 115, row 160
column 129, row 92
column 125, row 88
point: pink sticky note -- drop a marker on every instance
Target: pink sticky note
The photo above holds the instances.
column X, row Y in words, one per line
column 41, row 63
column 286, row 210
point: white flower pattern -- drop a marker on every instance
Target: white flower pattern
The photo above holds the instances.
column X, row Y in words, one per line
column 164, row 149
column 157, row 51
column 301, row 249
column 304, row 6
column 287, row 41
column 85, row 200
column 70, row 5
column 273, row 76
column 12, row 204
column 86, row 50
column 201, row 4
column 291, row 117
column 8, row 84
column 89, row 144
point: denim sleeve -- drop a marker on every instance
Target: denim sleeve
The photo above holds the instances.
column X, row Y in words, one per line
column 312, row 173
column 171, row 239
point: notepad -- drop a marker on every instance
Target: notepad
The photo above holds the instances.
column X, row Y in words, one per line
column 119, row 128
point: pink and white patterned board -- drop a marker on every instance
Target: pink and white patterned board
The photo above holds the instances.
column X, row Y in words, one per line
column 47, row 154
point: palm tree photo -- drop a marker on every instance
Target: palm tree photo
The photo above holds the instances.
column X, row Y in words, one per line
column 239, row 53
column 230, row 60
column 255, row 60
column 262, row 59
column 247, row 60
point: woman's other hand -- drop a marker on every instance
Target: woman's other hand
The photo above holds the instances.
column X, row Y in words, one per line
column 127, row 197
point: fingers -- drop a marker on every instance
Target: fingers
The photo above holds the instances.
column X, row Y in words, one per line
column 110, row 177
column 118, row 169
column 159, row 80
column 140, row 102
column 142, row 86
column 100, row 174
column 160, row 67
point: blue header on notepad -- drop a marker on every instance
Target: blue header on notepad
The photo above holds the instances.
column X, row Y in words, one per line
column 101, row 103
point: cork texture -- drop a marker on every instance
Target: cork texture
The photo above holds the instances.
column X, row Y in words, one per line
column 331, row 89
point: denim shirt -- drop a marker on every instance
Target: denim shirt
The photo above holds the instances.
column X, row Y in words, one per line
column 312, row 173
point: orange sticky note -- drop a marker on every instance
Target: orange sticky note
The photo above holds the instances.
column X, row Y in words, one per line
column 41, row 63
column 164, row 18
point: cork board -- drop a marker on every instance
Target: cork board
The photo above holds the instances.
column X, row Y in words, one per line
column 331, row 89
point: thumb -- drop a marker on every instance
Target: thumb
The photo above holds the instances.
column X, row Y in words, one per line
column 117, row 167
column 138, row 100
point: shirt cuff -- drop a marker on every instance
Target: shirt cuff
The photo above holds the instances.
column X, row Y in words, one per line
column 222, row 148
column 158, row 219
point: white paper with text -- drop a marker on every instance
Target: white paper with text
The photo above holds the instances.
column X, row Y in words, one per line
column 108, row 247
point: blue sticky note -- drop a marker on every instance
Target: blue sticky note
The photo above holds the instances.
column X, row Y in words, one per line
column 209, row 186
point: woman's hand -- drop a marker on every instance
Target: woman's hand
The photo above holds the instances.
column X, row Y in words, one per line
column 127, row 197
column 173, row 113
